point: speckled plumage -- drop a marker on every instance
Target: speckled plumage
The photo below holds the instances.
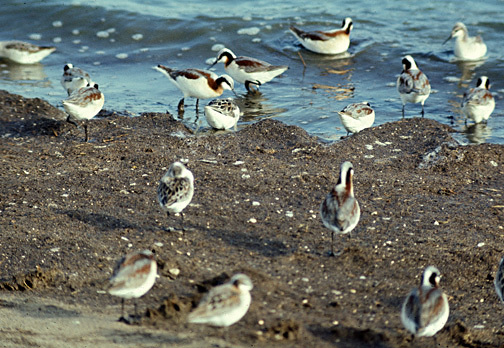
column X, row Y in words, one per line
column 224, row 305
column 222, row 113
column 357, row 116
column 176, row 188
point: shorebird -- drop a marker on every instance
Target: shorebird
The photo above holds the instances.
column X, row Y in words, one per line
column 176, row 189
column 225, row 304
column 84, row 104
column 426, row 310
column 357, row 116
column 24, row 52
column 478, row 103
column 197, row 83
column 222, row 113
column 326, row 42
column 466, row 47
column 340, row 211
column 133, row 277
column 413, row 85
column 246, row 70
column 74, row 78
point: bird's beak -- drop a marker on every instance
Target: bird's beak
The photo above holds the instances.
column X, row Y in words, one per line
column 236, row 94
column 449, row 38
column 215, row 62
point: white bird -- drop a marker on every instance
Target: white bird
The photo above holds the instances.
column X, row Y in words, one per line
column 326, row 42
column 478, row 103
column 413, row 85
column 176, row 189
column 499, row 280
column 225, row 304
column 426, row 310
column 84, row 104
column 24, row 52
column 467, row 47
column 247, row 70
column 222, row 113
column 197, row 83
column 74, row 78
column 357, row 116
column 133, row 277
column 340, row 211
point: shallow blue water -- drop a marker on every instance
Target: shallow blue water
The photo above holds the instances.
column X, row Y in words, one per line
column 119, row 42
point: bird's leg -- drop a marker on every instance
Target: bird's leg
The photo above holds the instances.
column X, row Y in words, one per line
column 403, row 111
column 69, row 120
column 122, row 318
column 423, row 113
column 86, row 138
column 249, row 85
column 136, row 312
column 180, row 107
column 332, row 244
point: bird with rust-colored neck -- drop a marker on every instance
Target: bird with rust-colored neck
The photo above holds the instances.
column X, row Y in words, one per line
column 334, row 41
column 197, row 83
column 426, row 310
column 340, row 211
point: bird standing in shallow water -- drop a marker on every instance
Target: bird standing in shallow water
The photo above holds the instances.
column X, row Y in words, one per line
column 466, row 47
column 478, row 103
column 197, row 83
column 334, row 41
column 413, row 85
column 340, row 211
column 246, row 70
column 24, row 52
